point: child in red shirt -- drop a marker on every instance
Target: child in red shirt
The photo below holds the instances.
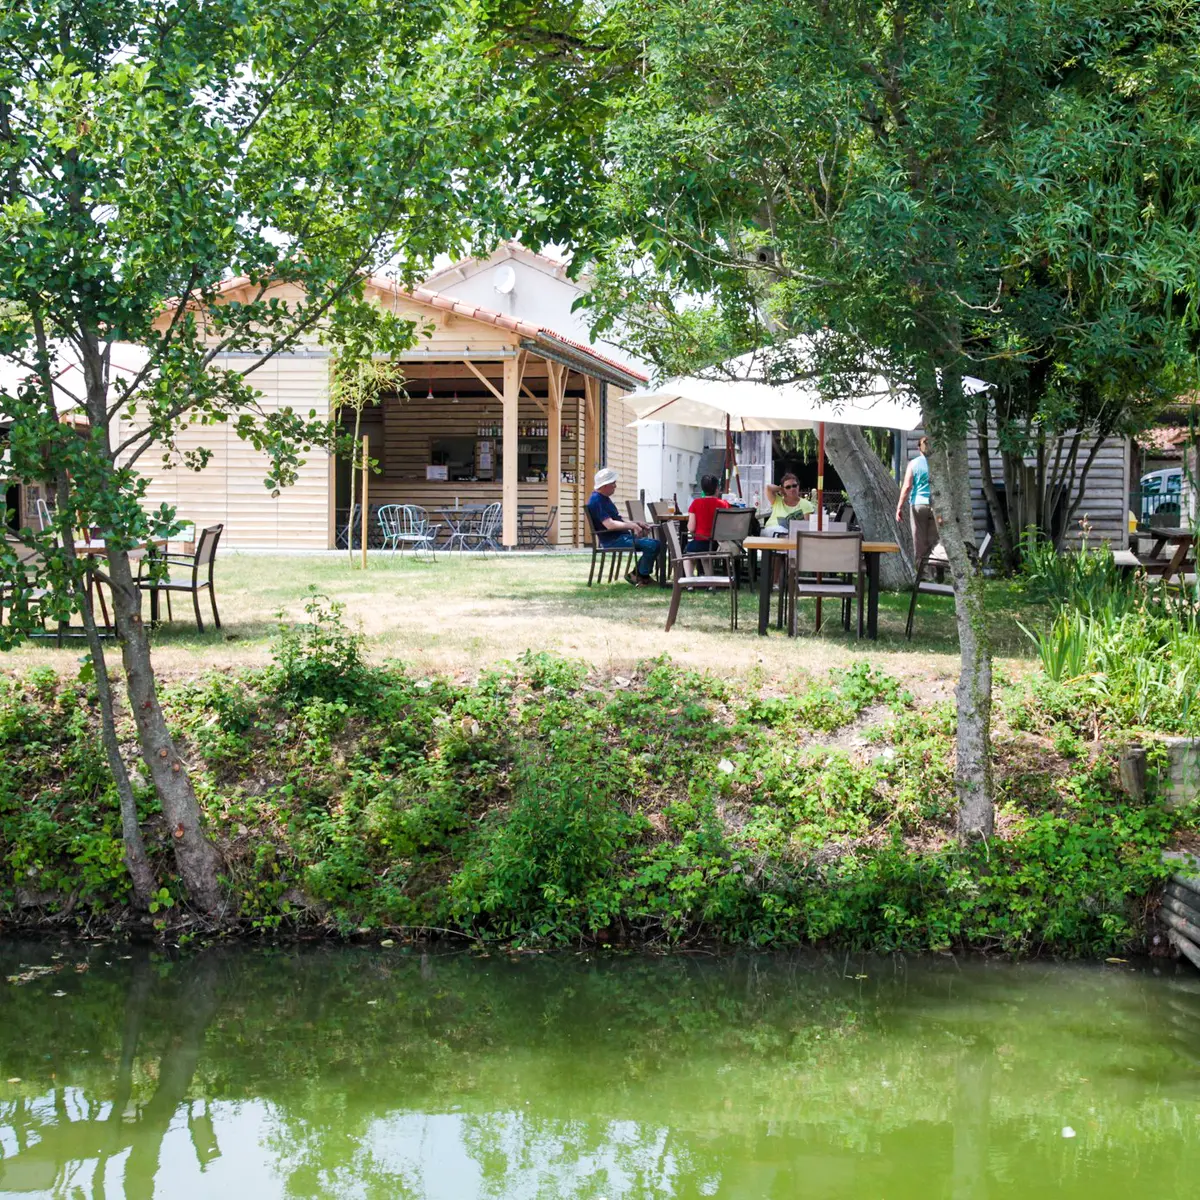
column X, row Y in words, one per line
column 701, row 512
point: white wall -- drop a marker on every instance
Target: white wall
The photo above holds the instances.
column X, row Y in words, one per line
column 539, row 295
column 668, row 456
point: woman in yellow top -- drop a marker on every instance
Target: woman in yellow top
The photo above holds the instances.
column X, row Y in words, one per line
column 786, row 501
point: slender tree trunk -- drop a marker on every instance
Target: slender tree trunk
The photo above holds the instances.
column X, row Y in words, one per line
column 874, row 494
column 950, row 479
column 136, row 860
column 196, row 856
column 350, row 522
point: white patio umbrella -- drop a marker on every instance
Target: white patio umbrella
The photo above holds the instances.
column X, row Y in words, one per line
column 713, row 404
column 749, row 405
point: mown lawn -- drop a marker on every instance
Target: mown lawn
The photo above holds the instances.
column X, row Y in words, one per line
column 464, row 612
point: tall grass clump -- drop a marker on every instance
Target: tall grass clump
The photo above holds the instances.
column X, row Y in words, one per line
column 1122, row 651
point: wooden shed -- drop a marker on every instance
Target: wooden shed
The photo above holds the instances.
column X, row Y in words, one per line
column 495, row 408
column 1105, row 504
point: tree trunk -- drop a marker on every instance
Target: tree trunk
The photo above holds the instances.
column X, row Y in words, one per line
column 196, row 856
column 136, row 860
column 949, row 475
column 351, row 524
column 874, row 494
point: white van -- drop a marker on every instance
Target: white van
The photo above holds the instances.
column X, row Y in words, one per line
column 1161, row 492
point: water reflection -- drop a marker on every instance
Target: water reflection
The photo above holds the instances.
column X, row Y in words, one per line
column 380, row 1073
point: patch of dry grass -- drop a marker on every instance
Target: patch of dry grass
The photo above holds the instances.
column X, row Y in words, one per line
column 465, row 612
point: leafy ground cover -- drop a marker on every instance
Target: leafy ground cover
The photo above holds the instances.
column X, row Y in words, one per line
column 548, row 800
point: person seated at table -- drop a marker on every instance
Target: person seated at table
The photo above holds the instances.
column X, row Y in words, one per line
column 701, row 514
column 787, row 504
column 615, row 532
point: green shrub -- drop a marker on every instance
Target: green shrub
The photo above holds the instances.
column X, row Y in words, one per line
column 319, row 659
column 547, row 866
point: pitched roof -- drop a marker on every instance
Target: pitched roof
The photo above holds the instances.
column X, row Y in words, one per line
column 510, row 249
column 542, row 336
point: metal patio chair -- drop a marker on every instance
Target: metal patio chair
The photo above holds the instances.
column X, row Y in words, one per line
column 201, row 565
column 935, row 562
column 532, row 534
column 349, row 529
column 406, row 527
column 486, row 535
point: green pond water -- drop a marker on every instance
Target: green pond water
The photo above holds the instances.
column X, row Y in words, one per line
column 381, row 1072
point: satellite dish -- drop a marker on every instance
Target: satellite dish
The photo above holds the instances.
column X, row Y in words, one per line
column 506, row 280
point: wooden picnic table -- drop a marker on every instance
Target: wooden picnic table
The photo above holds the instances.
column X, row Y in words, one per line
column 781, row 545
column 1155, row 564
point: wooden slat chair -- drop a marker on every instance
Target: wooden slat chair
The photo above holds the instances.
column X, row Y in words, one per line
column 682, row 567
column 613, row 555
column 826, row 566
column 923, row 585
column 201, row 566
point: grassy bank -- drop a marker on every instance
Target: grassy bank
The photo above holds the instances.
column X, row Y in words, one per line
column 546, row 800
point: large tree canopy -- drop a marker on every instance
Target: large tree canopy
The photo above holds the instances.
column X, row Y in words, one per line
column 150, row 151
column 933, row 189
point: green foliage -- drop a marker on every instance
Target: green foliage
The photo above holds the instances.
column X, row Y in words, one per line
column 546, row 867
column 319, row 659
column 1081, row 579
column 541, row 803
column 1131, row 669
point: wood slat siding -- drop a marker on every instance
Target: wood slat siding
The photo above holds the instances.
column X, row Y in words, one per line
column 412, row 425
column 230, row 491
column 1106, row 498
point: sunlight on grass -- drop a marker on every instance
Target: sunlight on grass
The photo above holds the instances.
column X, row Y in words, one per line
column 464, row 612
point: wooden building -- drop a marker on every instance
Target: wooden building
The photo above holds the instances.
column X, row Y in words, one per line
column 495, row 408
column 1105, row 504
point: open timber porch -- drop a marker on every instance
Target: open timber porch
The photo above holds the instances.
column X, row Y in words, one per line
column 524, row 421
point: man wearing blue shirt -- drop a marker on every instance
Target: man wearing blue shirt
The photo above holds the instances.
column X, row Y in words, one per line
column 616, row 533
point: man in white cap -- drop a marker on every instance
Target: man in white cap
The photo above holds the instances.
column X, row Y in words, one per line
column 617, row 533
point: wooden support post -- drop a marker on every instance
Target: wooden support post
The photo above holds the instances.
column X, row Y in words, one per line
column 366, row 470
column 509, row 491
column 554, row 410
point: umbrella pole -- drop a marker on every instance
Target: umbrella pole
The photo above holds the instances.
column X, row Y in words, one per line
column 820, row 475
column 820, row 498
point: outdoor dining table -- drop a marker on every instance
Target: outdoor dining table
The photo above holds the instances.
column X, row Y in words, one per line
column 460, row 518
column 767, row 546
column 1155, row 564
column 95, row 548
